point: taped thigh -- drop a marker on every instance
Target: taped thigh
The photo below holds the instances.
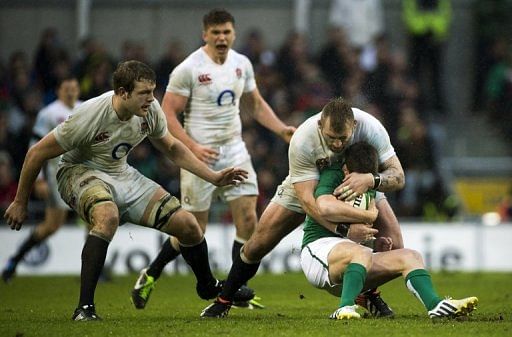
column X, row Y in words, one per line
column 98, row 193
column 162, row 210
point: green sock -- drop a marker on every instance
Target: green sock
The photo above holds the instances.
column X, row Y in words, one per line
column 420, row 284
column 353, row 281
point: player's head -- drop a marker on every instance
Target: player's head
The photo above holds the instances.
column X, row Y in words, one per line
column 361, row 157
column 218, row 32
column 134, row 82
column 68, row 90
column 337, row 124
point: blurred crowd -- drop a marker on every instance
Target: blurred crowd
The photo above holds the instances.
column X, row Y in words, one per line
column 296, row 82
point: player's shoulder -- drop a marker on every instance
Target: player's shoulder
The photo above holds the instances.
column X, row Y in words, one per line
column 195, row 58
column 363, row 116
column 192, row 62
column 238, row 56
column 95, row 105
column 309, row 126
column 305, row 138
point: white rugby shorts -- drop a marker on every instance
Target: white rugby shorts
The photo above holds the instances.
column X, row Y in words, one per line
column 197, row 194
column 313, row 260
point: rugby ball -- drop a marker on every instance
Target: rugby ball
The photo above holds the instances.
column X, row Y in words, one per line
column 362, row 201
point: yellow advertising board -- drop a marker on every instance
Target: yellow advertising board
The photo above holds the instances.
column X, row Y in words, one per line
column 482, row 194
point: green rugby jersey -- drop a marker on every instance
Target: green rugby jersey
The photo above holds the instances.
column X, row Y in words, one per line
column 330, row 178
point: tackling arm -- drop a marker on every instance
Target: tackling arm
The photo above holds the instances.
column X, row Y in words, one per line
column 335, row 210
column 391, row 175
column 304, row 192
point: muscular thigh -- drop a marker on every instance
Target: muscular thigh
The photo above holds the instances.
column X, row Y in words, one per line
column 275, row 223
column 83, row 189
column 385, row 267
column 81, row 186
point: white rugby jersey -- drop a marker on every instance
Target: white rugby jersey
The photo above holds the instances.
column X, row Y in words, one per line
column 93, row 135
column 212, row 114
column 50, row 116
column 47, row 119
column 308, row 151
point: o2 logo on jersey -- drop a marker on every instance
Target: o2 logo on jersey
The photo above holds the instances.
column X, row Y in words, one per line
column 227, row 97
column 121, row 150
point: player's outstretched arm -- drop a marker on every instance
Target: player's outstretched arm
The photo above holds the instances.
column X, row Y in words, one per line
column 40, row 152
column 263, row 113
column 181, row 155
column 172, row 105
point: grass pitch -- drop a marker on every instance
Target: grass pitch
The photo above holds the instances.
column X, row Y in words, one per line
column 42, row 306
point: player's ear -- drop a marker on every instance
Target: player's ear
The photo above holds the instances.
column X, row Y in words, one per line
column 123, row 93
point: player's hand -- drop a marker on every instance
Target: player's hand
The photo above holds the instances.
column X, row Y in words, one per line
column 359, row 232
column 15, row 215
column 287, row 133
column 206, row 154
column 230, row 176
column 354, row 185
column 383, row 244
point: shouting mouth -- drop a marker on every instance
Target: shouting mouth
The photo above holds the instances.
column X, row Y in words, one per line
column 221, row 48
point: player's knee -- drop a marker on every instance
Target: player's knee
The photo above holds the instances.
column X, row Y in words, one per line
column 50, row 229
column 255, row 249
column 98, row 196
column 42, row 232
column 105, row 220
column 248, row 220
column 184, row 226
column 361, row 254
column 191, row 232
column 416, row 256
column 246, row 230
column 411, row 258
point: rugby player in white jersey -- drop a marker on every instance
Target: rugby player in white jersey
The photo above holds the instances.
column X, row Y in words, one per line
column 56, row 210
column 318, row 143
column 210, row 87
column 95, row 180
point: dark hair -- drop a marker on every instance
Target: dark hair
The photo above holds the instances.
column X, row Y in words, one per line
column 66, row 78
column 128, row 72
column 217, row 16
column 339, row 112
column 362, row 157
